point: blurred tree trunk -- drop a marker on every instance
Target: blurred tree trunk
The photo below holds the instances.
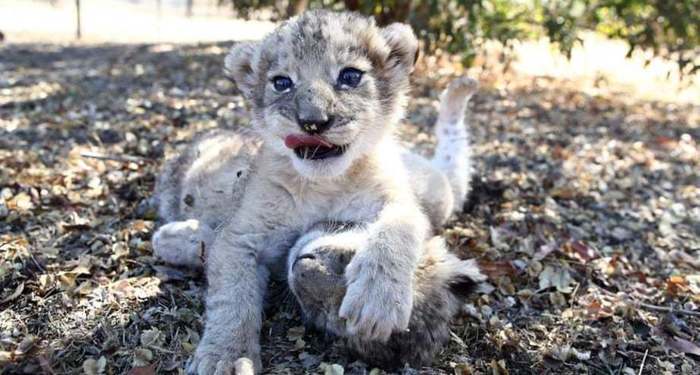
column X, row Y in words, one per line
column 296, row 7
column 188, row 8
column 352, row 5
column 397, row 13
column 385, row 12
column 78, row 31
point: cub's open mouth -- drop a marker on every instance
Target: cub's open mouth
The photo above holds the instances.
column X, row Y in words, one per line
column 313, row 147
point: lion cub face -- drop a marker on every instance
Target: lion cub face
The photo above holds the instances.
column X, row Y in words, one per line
column 325, row 87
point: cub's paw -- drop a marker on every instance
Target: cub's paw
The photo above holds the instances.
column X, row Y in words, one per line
column 376, row 304
column 181, row 243
column 211, row 363
column 461, row 88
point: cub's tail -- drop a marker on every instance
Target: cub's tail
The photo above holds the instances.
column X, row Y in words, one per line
column 453, row 152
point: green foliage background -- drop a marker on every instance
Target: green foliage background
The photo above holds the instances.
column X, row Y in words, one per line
column 670, row 28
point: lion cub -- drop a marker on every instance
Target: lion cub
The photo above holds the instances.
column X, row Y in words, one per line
column 326, row 92
column 441, row 282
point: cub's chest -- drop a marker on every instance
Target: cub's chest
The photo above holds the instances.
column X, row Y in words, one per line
column 347, row 206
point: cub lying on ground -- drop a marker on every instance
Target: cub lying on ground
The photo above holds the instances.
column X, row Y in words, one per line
column 316, row 266
column 326, row 91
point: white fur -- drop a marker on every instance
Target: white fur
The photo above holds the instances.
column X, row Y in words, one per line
column 376, row 182
column 388, row 187
column 453, row 153
column 182, row 243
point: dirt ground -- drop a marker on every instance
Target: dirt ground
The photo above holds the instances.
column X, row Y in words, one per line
column 585, row 214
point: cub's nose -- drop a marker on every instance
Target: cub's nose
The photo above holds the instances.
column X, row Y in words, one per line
column 315, row 124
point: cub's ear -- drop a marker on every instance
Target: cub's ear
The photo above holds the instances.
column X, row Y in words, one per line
column 403, row 45
column 239, row 65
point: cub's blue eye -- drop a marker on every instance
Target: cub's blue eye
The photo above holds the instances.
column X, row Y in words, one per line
column 350, row 77
column 282, row 83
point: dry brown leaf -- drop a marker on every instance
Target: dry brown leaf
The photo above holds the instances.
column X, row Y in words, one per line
column 496, row 269
column 15, row 294
column 580, row 250
column 595, row 310
column 143, row 370
column 676, row 285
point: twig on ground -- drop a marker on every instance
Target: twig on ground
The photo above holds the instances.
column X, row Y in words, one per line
column 668, row 309
column 641, row 367
column 122, row 159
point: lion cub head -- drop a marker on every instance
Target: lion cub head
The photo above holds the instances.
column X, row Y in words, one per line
column 441, row 283
column 325, row 88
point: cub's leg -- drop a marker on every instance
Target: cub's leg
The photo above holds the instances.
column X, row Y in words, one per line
column 441, row 184
column 378, row 300
column 431, row 187
column 237, row 273
column 453, row 152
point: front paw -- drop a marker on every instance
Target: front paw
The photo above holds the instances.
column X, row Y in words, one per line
column 182, row 243
column 376, row 304
column 209, row 362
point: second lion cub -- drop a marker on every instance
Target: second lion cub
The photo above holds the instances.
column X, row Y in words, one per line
column 326, row 92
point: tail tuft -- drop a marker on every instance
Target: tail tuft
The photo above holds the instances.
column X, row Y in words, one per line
column 453, row 152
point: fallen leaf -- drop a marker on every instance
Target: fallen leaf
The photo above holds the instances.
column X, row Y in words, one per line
column 580, row 250
column 676, row 285
column 495, row 269
column 683, row 258
column 595, row 310
column 544, row 250
column 152, row 338
column 332, row 369
column 5, row 357
column 45, row 364
column 309, row 360
column 143, row 370
column 21, row 202
column 499, row 367
column 463, row 369
column 566, row 353
column 564, row 193
column 295, row 333
column 25, row 345
column 497, row 239
column 682, row 345
column 93, row 366
column 557, row 299
column 556, row 277
column 15, row 294
column 142, row 357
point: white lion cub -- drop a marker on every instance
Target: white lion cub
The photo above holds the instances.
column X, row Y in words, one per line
column 326, row 92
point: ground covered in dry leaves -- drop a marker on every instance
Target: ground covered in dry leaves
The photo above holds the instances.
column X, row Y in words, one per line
column 585, row 213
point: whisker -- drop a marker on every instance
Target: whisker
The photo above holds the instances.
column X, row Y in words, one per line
column 315, row 151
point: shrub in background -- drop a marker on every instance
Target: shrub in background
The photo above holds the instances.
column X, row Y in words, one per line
column 670, row 29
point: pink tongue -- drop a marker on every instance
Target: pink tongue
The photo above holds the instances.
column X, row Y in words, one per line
column 300, row 140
